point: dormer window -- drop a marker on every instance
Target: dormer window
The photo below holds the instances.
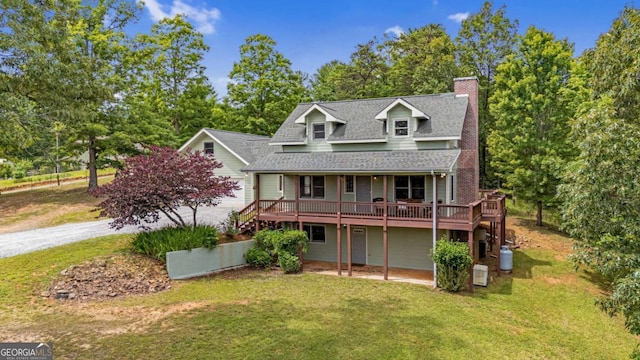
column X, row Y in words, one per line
column 401, row 127
column 318, row 131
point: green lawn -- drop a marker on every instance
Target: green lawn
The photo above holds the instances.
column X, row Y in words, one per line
column 544, row 310
column 33, row 180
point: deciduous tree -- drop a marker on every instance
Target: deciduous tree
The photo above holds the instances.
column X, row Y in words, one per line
column 601, row 197
column 169, row 83
column 532, row 105
column 483, row 42
column 160, row 183
column 422, row 61
column 264, row 88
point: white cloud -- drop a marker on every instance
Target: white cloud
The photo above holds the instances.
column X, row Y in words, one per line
column 203, row 18
column 396, row 30
column 459, row 17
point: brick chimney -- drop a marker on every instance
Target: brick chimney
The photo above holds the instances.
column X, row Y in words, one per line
column 468, row 172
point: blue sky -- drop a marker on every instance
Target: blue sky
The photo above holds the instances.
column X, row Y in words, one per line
column 312, row 33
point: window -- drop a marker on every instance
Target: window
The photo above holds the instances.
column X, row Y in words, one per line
column 312, row 187
column 280, row 183
column 409, row 187
column 348, row 184
column 401, row 127
column 316, row 233
column 318, row 131
column 208, row 148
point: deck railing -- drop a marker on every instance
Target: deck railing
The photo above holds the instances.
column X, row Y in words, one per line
column 492, row 205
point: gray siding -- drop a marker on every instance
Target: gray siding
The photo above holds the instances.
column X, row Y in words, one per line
column 269, row 187
column 408, row 248
column 231, row 165
column 248, row 189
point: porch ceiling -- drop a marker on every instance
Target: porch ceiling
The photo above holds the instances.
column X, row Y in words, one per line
column 358, row 162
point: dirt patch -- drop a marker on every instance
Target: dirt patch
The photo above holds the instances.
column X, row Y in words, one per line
column 524, row 234
column 109, row 277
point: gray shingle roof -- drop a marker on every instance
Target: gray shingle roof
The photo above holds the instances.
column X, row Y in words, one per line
column 357, row 162
column 446, row 113
column 243, row 144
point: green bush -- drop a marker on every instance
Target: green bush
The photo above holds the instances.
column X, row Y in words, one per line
column 228, row 225
column 21, row 168
column 159, row 242
column 289, row 263
column 453, row 262
column 258, row 258
column 282, row 243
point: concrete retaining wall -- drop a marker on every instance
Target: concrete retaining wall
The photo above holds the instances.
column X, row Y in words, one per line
column 186, row 264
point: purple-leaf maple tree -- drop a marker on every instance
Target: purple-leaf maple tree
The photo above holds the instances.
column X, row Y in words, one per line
column 159, row 183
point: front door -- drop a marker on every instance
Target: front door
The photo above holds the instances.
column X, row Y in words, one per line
column 363, row 193
column 359, row 246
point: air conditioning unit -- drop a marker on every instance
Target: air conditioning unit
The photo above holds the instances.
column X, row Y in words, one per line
column 480, row 275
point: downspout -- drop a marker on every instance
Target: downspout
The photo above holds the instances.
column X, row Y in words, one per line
column 434, row 216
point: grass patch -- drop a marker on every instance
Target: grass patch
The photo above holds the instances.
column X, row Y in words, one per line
column 543, row 310
column 78, row 174
column 44, row 207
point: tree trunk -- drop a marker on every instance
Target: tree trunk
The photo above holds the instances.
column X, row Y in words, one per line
column 539, row 215
column 93, row 170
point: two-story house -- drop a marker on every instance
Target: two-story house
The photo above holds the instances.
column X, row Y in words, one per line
column 377, row 181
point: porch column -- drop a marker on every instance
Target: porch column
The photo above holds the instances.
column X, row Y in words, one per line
column 385, row 235
column 297, row 197
column 348, row 249
column 472, row 253
column 257, row 192
column 434, row 215
column 339, row 225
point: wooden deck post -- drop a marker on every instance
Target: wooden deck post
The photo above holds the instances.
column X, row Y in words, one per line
column 257, row 192
column 348, row 249
column 472, row 253
column 339, row 225
column 385, row 235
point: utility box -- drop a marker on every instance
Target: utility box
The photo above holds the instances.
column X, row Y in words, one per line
column 480, row 275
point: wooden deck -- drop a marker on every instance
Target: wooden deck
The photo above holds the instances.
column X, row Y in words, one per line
column 396, row 214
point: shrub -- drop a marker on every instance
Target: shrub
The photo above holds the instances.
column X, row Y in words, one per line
column 453, row 262
column 282, row 243
column 258, row 258
column 228, row 225
column 159, row 242
column 21, row 168
column 289, row 263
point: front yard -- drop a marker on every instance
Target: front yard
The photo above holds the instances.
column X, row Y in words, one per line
column 543, row 310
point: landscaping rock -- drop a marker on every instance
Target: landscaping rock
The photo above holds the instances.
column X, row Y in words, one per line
column 109, row 277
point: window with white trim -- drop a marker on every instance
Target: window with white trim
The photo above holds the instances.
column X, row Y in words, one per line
column 208, row 147
column 316, row 233
column 312, row 187
column 401, row 127
column 318, row 131
column 348, row 184
column 280, row 183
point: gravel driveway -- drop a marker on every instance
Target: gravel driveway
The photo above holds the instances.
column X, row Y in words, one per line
column 27, row 241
